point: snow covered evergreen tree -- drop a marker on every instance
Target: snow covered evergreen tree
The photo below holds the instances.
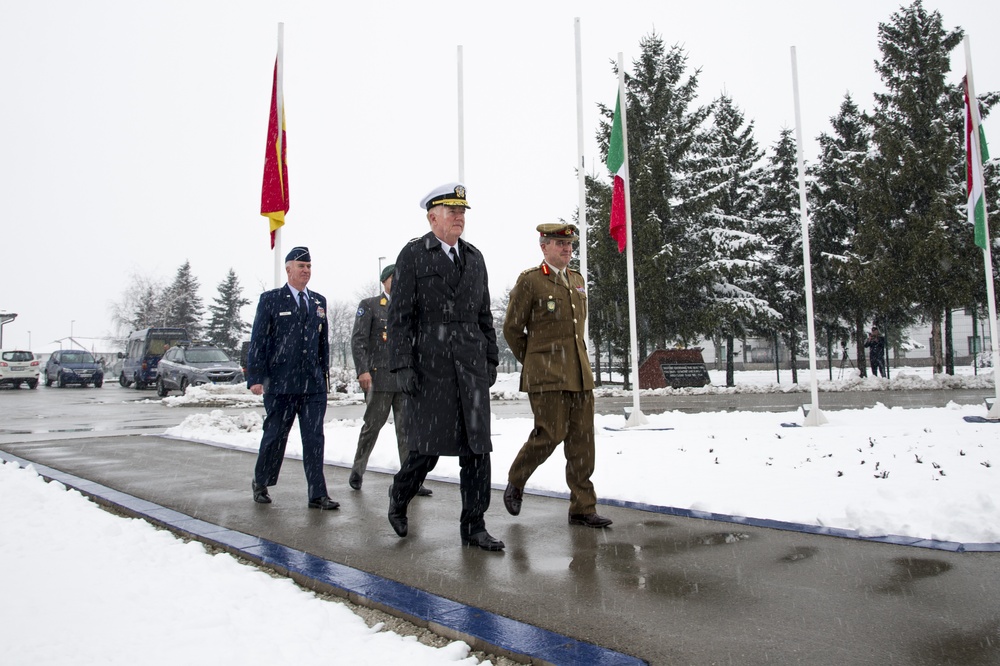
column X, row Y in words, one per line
column 914, row 153
column 664, row 127
column 730, row 249
column 182, row 304
column 780, row 224
column 841, row 271
column 226, row 326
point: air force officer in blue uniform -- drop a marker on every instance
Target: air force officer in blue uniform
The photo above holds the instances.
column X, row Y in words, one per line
column 288, row 362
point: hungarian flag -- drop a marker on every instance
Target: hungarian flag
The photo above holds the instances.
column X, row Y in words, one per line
column 616, row 165
column 976, row 153
column 274, row 191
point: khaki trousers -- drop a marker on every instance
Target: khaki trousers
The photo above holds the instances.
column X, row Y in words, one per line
column 566, row 417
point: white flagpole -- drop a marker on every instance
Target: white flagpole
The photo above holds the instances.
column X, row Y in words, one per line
column 461, row 117
column 994, row 412
column 636, row 417
column 279, row 278
column 581, row 176
column 814, row 417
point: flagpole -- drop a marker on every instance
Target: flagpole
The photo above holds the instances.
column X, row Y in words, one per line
column 461, row 117
column 278, row 273
column 994, row 411
column 581, row 176
column 636, row 417
column 814, row 417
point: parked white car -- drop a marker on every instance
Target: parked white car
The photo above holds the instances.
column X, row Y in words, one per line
column 18, row 366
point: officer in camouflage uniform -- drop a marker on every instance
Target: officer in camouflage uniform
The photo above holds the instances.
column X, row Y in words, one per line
column 370, row 348
column 544, row 327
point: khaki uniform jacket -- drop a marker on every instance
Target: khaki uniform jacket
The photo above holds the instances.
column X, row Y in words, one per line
column 544, row 327
column 370, row 343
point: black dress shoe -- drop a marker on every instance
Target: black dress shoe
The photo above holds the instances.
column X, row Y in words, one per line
column 354, row 481
column 512, row 497
column 483, row 540
column 260, row 493
column 425, row 492
column 397, row 516
column 588, row 520
column 324, row 503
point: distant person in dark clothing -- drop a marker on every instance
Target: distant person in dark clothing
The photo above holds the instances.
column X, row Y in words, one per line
column 876, row 353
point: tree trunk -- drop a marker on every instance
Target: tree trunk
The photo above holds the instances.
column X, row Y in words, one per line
column 793, row 358
column 829, row 351
column 597, row 362
column 777, row 365
column 859, row 337
column 949, row 343
column 730, row 374
column 936, row 353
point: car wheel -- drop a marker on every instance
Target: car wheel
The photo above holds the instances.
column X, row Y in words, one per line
column 83, row 384
column 48, row 380
column 124, row 383
column 161, row 390
column 184, row 386
column 59, row 381
column 138, row 383
column 99, row 383
column 32, row 383
column 16, row 384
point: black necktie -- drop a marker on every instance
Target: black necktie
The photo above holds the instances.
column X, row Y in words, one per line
column 454, row 257
column 303, row 307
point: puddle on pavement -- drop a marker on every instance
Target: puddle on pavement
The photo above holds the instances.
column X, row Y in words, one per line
column 910, row 570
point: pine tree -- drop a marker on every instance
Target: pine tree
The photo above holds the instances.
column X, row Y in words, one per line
column 731, row 250
column 915, row 152
column 226, row 327
column 663, row 132
column 841, row 271
column 182, row 304
column 780, row 224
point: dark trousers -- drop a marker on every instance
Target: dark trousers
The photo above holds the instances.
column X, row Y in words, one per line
column 376, row 414
column 567, row 417
column 281, row 410
column 474, row 479
column 878, row 365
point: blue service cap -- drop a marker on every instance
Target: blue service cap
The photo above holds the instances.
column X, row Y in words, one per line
column 298, row 253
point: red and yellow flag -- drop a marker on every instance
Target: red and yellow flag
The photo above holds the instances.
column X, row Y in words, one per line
column 274, row 191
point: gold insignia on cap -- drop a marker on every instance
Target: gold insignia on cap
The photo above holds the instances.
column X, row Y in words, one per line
column 558, row 230
column 460, row 192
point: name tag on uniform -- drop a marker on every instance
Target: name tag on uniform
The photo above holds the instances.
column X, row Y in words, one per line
column 284, row 314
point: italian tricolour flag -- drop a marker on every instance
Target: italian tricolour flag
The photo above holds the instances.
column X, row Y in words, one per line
column 976, row 153
column 616, row 165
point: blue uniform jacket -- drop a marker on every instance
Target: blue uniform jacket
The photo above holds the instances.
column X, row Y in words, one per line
column 289, row 353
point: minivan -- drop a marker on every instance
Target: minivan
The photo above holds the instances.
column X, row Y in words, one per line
column 143, row 351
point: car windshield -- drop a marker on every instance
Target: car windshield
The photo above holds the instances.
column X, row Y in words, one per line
column 206, row 356
column 77, row 357
column 18, row 356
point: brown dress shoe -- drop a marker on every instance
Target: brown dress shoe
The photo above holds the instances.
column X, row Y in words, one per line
column 512, row 497
column 588, row 520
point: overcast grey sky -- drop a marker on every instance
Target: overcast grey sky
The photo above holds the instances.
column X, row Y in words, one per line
column 135, row 131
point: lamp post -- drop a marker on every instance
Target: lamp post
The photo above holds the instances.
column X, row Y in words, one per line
column 380, row 260
column 71, row 322
column 29, row 340
column 5, row 318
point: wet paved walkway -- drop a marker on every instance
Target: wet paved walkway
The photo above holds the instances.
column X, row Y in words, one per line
column 655, row 587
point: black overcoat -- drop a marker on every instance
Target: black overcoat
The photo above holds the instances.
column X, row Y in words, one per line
column 441, row 325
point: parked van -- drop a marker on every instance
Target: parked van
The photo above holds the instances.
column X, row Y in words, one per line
column 143, row 352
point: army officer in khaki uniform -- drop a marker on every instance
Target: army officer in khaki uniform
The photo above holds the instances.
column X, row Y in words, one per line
column 544, row 327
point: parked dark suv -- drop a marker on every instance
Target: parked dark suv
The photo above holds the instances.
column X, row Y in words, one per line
column 191, row 365
column 73, row 366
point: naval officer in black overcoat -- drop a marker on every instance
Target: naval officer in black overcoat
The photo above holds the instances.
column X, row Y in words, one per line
column 443, row 349
column 289, row 363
